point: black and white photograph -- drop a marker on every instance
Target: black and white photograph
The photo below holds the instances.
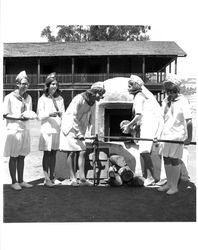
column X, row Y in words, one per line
column 98, row 127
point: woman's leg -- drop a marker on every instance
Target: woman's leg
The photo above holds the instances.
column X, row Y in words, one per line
column 148, row 164
column 52, row 163
column 46, row 166
column 81, row 165
column 20, row 171
column 167, row 166
column 175, row 170
column 46, row 163
column 70, row 164
column 20, row 167
column 12, row 168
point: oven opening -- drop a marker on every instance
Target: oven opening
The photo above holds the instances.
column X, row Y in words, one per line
column 113, row 118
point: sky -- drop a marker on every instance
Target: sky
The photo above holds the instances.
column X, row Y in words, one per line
column 170, row 20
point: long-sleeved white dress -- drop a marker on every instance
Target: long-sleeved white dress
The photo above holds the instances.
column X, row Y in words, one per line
column 75, row 122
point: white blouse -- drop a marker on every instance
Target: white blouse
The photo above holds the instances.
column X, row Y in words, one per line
column 45, row 107
column 14, row 107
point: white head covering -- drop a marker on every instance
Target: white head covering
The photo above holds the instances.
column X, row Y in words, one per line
column 50, row 78
column 20, row 76
column 98, row 85
column 140, row 84
column 173, row 79
column 136, row 79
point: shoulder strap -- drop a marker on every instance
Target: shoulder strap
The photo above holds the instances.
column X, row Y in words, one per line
column 55, row 104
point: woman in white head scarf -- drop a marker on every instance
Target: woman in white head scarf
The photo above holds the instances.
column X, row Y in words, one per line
column 177, row 126
column 17, row 112
column 148, row 115
column 76, row 120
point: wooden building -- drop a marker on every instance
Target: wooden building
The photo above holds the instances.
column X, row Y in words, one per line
column 78, row 65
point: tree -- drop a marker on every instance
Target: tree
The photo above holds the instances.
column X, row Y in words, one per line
column 47, row 33
column 80, row 33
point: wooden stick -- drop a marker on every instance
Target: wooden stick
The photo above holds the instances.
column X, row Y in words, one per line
column 129, row 138
column 144, row 139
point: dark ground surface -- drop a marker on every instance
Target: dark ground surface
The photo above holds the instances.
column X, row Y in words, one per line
column 98, row 204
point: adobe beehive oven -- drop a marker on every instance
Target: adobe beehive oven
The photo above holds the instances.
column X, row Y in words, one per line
column 115, row 107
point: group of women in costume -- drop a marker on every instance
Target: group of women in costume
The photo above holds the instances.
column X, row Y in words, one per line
column 65, row 130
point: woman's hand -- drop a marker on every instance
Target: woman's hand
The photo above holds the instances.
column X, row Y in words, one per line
column 23, row 118
column 53, row 114
column 81, row 138
column 125, row 129
column 187, row 141
column 156, row 142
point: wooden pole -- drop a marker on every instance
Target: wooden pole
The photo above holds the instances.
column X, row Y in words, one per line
column 108, row 67
column 175, row 65
column 72, row 69
column 143, row 68
column 38, row 71
column 95, row 157
column 130, row 138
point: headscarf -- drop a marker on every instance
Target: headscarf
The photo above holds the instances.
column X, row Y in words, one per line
column 136, row 79
column 137, row 83
column 98, row 87
column 172, row 81
column 90, row 94
column 50, row 78
column 22, row 75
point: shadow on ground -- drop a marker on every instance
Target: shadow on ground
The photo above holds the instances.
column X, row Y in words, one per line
column 98, row 204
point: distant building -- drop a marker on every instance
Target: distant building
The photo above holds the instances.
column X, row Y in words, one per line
column 78, row 65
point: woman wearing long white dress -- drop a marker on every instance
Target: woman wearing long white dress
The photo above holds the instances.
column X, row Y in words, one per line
column 76, row 120
column 50, row 109
column 149, row 116
column 17, row 112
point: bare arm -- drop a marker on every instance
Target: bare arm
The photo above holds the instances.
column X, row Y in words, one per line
column 189, row 130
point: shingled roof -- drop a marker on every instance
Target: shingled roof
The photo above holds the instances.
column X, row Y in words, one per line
column 99, row 48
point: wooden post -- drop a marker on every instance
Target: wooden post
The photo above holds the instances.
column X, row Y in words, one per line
column 175, row 65
column 143, row 68
column 108, row 67
column 170, row 68
column 4, row 71
column 38, row 71
column 72, row 69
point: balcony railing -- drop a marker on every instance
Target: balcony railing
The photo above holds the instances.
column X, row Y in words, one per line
column 83, row 78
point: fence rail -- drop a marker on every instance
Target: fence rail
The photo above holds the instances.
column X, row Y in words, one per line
column 80, row 78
